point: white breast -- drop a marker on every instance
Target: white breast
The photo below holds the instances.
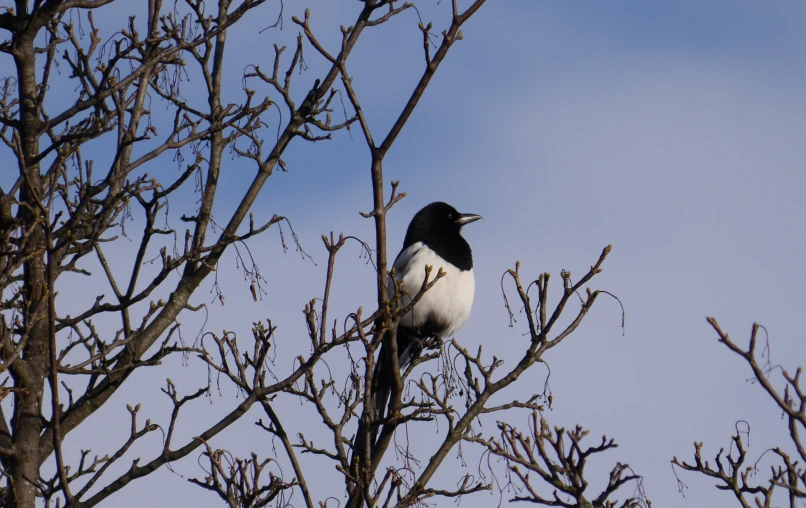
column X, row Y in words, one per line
column 447, row 303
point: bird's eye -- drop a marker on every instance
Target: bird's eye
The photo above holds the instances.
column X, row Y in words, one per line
column 450, row 216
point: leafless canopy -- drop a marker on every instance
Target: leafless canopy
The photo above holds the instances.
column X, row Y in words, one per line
column 734, row 471
column 558, row 458
column 66, row 202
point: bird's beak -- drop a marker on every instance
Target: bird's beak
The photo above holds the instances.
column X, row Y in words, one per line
column 467, row 218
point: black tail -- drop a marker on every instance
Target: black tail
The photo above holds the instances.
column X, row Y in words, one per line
column 407, row 346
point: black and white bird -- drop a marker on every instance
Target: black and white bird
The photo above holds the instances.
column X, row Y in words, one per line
column 433, row 239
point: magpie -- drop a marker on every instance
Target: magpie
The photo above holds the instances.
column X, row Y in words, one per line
column 433, row 238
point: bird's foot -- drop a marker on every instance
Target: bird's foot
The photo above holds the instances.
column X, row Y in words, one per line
column 417, row 346
column 434, row 342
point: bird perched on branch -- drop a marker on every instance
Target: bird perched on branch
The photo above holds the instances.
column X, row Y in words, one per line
column 433, row 239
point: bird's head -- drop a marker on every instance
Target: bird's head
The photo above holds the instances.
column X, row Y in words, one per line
column 437, row 220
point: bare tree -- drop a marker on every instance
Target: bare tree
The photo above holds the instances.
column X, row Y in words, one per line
column 66, row 203
column 734, row 471
column 558, row 458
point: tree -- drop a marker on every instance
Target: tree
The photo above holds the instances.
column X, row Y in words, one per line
column 66, row 202
column 733, row 471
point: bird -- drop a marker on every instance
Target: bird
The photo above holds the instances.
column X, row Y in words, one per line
column 433, row 239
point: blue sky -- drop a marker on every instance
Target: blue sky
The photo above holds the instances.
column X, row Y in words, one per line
column 673, row 131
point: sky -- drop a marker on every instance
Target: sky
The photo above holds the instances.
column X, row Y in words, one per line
column 672, row 131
